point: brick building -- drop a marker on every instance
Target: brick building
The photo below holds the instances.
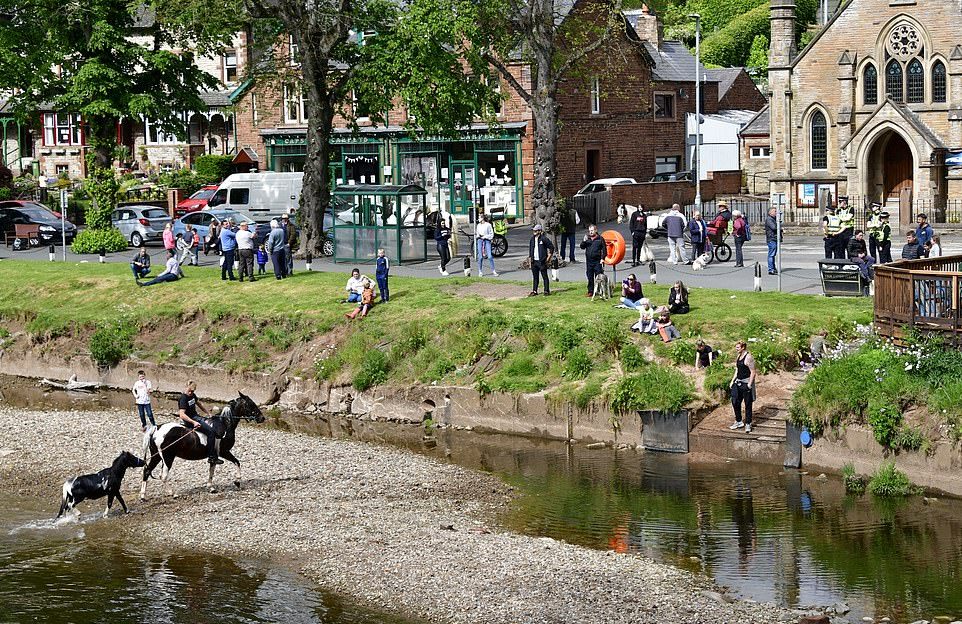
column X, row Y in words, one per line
column 870, row 108
column 756, row 148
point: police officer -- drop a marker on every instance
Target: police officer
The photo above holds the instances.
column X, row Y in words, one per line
column 874, row 227
column 885, row 239
column 831, row 227
column 847, row 219
column 187, row 406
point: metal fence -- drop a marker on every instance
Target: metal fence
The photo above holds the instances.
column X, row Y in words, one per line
column 593, row 208
column 941, row 212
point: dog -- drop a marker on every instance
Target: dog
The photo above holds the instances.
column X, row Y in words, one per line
column 602, row 287
column 104, row 483
column 700, row 262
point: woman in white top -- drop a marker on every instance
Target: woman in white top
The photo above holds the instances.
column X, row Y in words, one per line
column 485, row 234
column 171, row 271
column 935, row 247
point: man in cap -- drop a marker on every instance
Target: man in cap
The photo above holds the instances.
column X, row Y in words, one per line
column 540, row 250
column 874, row 227
column 245, row 250
column 228, row 245
column 885, row 239
column 831, row 228
column 291, row 241
column 595, row 251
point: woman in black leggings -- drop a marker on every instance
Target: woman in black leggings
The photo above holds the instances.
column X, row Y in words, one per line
column 743, row 386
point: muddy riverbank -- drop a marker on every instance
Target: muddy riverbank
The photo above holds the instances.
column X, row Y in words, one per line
column 394, row 530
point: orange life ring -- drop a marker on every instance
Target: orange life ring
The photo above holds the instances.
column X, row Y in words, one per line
column 615, row 244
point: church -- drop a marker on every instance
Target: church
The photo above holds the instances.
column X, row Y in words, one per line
column 870, row 109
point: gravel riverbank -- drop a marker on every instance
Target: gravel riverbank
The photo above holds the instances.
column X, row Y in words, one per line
column 395, row 530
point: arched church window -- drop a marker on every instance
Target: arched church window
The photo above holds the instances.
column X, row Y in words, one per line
column 938, row 82
column 893, row 80
column 870, row 85
column 819, row 131
column 915, row 82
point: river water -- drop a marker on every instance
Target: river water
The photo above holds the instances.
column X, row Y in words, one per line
column 766, row 533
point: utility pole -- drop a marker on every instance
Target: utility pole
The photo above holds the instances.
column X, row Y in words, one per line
column 697, row 163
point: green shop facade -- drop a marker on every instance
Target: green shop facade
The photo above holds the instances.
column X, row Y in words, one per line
column 483, row 165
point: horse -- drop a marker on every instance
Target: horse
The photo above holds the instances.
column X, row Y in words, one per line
column 175, row 440
column 104, row 483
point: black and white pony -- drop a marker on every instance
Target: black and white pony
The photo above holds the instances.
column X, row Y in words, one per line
column 104, row 483
column 174, row 440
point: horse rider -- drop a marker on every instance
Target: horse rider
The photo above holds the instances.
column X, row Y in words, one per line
column 187, row 406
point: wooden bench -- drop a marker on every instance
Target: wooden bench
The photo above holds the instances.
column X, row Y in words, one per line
column 24, row 233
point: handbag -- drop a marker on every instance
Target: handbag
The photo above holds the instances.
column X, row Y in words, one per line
column 646, row 254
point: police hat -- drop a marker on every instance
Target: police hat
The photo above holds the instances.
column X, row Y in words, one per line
column 884, row 215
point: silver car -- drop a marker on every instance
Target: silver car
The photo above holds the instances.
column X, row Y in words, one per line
column 140, row 224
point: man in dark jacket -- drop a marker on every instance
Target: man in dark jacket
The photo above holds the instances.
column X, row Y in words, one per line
column 856, row 245
column 569, row 223
column 595, row 252
column 912, row 250
column 291, row 232
column 638, row 226
column 540, row 250
column 140, row 265
column 771, row 238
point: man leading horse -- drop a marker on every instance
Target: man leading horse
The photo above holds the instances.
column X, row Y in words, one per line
column 187, row 406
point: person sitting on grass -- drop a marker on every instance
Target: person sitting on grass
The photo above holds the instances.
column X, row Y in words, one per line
column 631, row 292
column 646, row 318
column 140, row 265
column 367, row 300
column 666, row 328
column 355, row 286
column 704, row 355
column 678, row 299
column 171, row 272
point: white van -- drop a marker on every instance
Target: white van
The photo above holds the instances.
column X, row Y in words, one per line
column 261, row 195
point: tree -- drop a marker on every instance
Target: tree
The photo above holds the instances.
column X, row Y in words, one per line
column 758, row 56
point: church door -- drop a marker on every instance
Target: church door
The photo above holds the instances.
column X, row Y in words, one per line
column 898, row 167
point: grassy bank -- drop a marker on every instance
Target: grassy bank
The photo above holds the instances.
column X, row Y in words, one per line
column 434, row 330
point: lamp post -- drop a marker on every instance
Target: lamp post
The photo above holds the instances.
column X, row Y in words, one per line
column 697, row 163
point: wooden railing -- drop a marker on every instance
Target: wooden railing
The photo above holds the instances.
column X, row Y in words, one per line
column 919, row 294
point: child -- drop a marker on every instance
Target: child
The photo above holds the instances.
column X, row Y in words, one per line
column 646, row 318
column 665, row 327
column 183, row 248
column 381, row 274
column 367, row 300
column 261, row 259
column 141, row 391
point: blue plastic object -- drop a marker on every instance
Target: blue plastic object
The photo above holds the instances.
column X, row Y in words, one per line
column 806, row 438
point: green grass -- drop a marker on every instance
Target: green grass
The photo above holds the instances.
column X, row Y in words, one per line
column 429, row 333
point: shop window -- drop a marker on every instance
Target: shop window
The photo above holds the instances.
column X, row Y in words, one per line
column 422, row 169
column 664, row 106
column 361, row 168
column 62, row 129
column 915, row 82
column 819, row 141
column 893, row 80
column 496, row 178
column 870, row 85
column 938, row 82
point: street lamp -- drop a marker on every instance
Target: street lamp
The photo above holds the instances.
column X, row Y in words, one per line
column 697, row 163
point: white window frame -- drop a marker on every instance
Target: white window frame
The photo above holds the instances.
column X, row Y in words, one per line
column 54, row 122
column 595, row 95
column 354, row 104
column 297, row 103
column 163, row 138
column 255, row 114
column 230, row 65
column 293, row 51
column 760, row 151
column 61, row 169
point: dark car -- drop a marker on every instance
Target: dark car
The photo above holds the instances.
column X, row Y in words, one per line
column 13, row 213
column 673, row 176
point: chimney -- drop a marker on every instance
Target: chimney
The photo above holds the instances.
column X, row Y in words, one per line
column 648, row 26
column 783, row 49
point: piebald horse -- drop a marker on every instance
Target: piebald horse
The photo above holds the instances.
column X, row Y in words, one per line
column 176, row 440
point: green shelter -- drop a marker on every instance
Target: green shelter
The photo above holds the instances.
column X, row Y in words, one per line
column 380, row 216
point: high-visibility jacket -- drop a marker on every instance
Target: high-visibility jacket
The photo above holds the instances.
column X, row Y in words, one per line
column 847, row 219
column 874, row 226
column 833, row 225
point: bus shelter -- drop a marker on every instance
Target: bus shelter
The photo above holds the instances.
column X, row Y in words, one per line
column 369, row 217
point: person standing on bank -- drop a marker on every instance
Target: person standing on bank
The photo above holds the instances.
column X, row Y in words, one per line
column 228, row 245
column 540, row 250
column 485, row 234
column 698, row 231
column 245, row 251
column 569, row 223
column 740, row 233
column 595, row 252
column 638, row 226
column 674, row 223
column 277, row 249
column 743, row 386
column 187, row 406
column 381, row 272
column 141, row 391
column 771, row 239
column 442, row 236
column 291, row 233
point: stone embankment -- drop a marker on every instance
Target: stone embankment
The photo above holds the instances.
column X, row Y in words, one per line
column 395, row 530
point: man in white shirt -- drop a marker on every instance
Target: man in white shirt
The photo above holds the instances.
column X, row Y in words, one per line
column 171, row 272
column 245, row 249
column 485, row 234
column 141, row 391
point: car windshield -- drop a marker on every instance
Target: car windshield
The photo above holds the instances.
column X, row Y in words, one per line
column 203, row 194
column 37, row 213
column 155, row 213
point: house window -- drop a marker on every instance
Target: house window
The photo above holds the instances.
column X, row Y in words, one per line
column 295, row 107
column 893, row 80
column 915, row 82
column 595, row 95
column 664, row 106
column 255, row 117
column 870, row 86
column 360, row 110
column 230, row 66
column 819, row 141
column 494, row 81
column 666, row 164
column 938, row 82
column 294, row 51
column 62, row 170
column 761, row 152
column 62, row 129
column 156, row 135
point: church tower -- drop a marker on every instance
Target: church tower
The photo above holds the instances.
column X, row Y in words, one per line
column 782, row 53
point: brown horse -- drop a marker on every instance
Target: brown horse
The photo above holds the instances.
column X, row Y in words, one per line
column 174, row 440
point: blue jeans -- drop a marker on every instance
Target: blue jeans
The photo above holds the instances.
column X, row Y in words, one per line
column 166, row 277
column 354, row 297
column 772, row 251
column 146, row 413
column 139, row 272
column 628, row 303
column 382, row 288
column 484, row 249
column 568, row 240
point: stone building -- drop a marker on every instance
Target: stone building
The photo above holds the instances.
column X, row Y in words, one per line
column 869, row 109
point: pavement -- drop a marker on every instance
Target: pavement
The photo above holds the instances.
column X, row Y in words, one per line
column 799, row 263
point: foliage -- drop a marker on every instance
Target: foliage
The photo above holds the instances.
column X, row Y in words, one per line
column 91, row 241
column 890, row 481
column 631, row 358
column 885, row 420
column 565, row 338
column 758, row 55
column 731, row 45
column 373, row 370
column 6, row 178
column 680, row 352
column 911, row 439
column 184, row 179
column 102, row 186
column 111, row 343
column 718, row 378
column 655, row 387
column 610, row 336
column 519, row 374
column 578, row 364
column 854, row 483
column 213, row 168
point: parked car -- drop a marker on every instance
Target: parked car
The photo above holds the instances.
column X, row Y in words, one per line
column 16, row 212
column 201, row 221
column 197, row 201
column 140, row 224
column 603, row 184
column 673, row 176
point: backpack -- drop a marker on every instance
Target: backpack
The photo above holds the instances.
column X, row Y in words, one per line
column 748, row 230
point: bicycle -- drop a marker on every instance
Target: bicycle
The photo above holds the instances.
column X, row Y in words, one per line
column 715, row 248
column 499, row 244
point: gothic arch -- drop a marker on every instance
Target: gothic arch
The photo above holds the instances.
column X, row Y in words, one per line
column 808, row 150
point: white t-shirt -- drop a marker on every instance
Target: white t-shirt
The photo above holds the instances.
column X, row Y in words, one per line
column 245, row 239
column 142, row 390
column 485, row 231
column 355, row 285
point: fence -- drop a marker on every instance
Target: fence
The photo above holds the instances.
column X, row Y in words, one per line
column 941, row 212
column 919, row 295
column 593, row 208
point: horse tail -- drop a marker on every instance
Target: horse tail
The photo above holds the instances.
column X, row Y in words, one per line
column 148, row 435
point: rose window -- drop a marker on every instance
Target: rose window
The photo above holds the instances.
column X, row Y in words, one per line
column 904, row 41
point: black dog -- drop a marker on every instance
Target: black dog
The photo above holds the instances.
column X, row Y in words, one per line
column 104, row 483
